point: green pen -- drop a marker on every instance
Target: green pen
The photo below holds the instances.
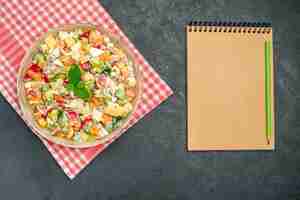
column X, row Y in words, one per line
column 268, row 98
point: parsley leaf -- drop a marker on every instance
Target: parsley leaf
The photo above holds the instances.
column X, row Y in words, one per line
column 75, row 85
column 80, row 85
column 74, row 74
column 81, row 91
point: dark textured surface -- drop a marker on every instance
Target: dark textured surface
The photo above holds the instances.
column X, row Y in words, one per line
column 150, row 161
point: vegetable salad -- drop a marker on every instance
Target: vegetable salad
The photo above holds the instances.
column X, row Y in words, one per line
column 80, row 85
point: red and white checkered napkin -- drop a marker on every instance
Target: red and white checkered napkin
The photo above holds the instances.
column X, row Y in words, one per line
column 22, row 21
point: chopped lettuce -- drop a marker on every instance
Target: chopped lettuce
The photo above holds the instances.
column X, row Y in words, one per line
column 87, row 127
column 45, row 88
column 58, row 76
column 40, row 59
column 120, row 93
column 116, row 122
column 109, row 127
column 90, row 84
column 84, row 136
column 53, row 115
column 62, row 118
column 107, row 69
column 99, row 66
column 91, row 138
column 49, row 95
column 96, row 64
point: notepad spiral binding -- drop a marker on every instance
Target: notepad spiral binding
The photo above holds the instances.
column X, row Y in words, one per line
column 230, row 27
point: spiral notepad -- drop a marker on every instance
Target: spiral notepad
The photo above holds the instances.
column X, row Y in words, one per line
column 230, row 86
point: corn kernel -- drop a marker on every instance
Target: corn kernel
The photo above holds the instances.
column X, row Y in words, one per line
column 42, row 122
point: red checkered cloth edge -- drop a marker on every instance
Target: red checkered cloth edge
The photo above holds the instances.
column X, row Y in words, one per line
column 22, row 21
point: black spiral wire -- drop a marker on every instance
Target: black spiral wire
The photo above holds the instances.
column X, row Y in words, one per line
column 229, row 27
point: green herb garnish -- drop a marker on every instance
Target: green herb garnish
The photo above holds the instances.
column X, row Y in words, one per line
column 74, row 75
column 120, row 93
column 81, row 91
column 75, row 85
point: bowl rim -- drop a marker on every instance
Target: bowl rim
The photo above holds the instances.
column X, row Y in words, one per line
column 27, row 112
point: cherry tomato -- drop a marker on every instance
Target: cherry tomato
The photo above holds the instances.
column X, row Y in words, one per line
column 45, row 78
column 72, row 115
column 99, row 46
column 85, row 121
column 34, row 72
column 85, row 34
column 35, row 67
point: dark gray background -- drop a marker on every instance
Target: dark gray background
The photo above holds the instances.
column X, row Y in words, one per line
column 150, row 160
